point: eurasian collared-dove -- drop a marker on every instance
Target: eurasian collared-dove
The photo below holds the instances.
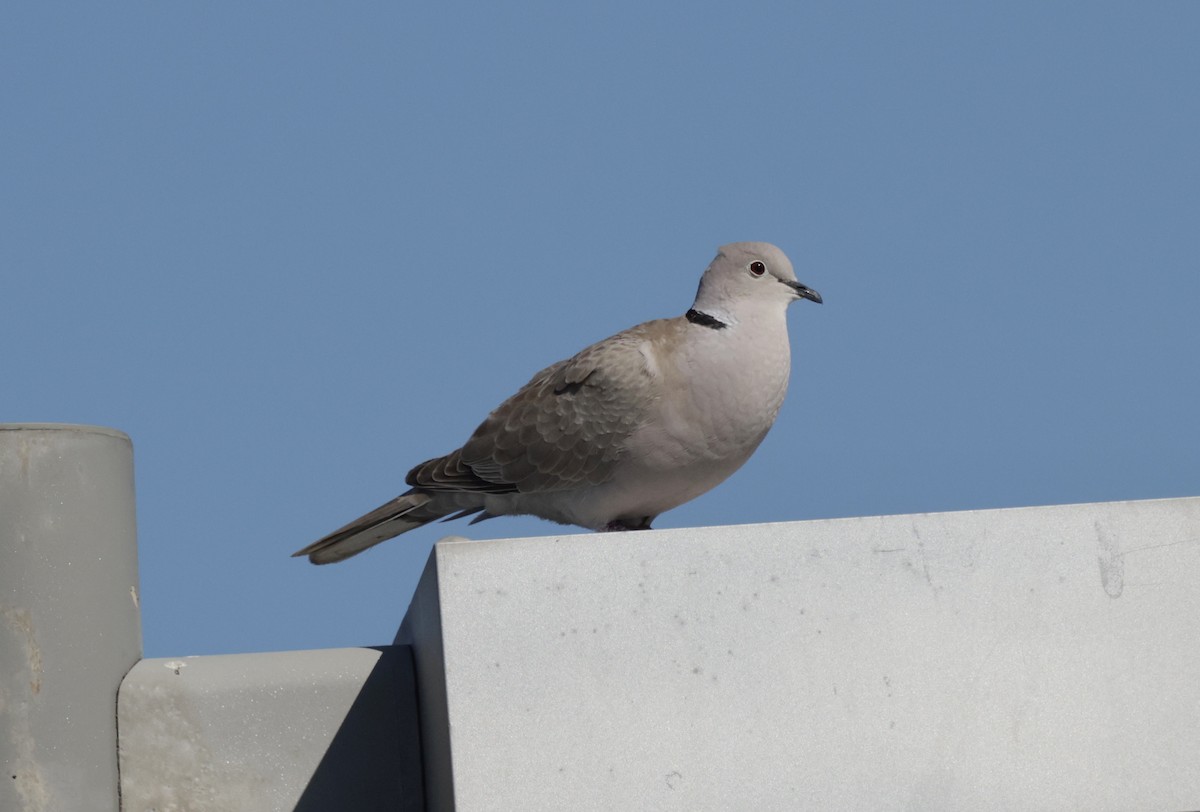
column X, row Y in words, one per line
column 631, row 426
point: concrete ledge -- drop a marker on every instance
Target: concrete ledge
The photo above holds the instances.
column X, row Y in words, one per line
column 303, row 730
column 1039, row 658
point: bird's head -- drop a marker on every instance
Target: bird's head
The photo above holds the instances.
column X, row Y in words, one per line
column 745, row 277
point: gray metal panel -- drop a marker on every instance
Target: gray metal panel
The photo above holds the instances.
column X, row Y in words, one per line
column 69, row 621
column 312, row 731
column 1039, row 658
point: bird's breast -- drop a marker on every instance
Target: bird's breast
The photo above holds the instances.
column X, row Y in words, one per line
column 720, row 397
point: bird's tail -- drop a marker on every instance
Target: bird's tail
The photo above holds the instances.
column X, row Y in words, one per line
column 405, row 512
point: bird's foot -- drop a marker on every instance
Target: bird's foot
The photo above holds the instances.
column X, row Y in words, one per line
column 621, row 525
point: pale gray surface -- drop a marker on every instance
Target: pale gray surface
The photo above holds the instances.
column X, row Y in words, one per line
column 306, row 730
column 69, row 621
column 423, row 619
column 1037, row 658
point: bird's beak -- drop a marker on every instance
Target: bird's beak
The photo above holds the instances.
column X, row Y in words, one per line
column 803, row 291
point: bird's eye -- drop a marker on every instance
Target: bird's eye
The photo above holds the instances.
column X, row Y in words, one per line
column 757, row 268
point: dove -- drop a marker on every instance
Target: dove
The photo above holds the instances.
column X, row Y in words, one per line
column 627, row 428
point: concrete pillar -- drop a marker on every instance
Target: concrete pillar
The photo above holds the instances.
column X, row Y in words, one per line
column 69, row 622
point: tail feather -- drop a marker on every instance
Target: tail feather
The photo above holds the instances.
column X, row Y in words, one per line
column 406, row 512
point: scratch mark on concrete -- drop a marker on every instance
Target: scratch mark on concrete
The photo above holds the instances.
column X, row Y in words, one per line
column 1156, row 546
column 1112, row 565
column 924, row 559
column 21, row 622
column 24, row 768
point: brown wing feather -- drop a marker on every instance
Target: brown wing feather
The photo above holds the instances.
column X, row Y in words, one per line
column 564, row 428
column 448, row 473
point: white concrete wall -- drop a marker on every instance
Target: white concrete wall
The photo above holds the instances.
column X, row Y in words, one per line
column 1040, row 658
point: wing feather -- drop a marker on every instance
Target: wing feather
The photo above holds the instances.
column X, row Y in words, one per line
column 565, row 428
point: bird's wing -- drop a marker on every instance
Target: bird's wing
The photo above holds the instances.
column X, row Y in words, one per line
column 565, row 428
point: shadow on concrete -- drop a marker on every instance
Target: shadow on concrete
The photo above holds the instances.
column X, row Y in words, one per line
column 374, row 760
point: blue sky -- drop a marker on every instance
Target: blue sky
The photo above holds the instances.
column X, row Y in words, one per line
column 293, row 250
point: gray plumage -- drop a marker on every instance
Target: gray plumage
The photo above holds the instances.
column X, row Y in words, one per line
column 629, row 427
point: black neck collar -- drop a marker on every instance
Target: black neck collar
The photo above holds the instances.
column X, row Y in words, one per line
column 705, row 320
